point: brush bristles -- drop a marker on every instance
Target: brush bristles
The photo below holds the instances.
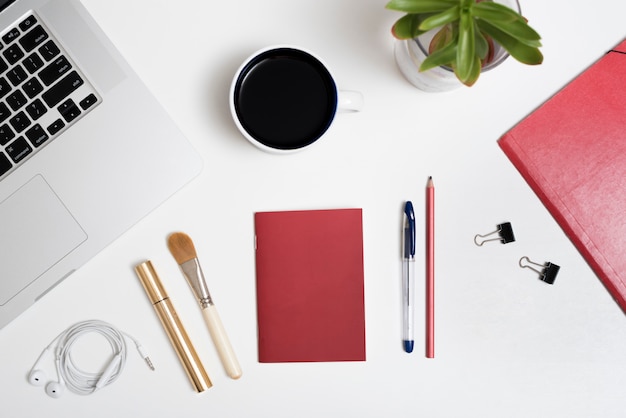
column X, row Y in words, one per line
column 181, row 247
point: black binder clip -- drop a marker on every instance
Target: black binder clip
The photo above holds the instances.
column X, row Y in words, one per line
column 504, row 232
column 548, row 270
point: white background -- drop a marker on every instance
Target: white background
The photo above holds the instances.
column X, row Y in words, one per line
column 507, row 344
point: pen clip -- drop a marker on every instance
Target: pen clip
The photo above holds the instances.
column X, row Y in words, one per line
column 409, row 230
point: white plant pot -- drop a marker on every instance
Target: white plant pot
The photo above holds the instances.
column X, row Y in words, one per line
column 410, row 54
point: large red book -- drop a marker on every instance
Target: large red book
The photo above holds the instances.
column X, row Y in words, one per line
column 572, row 152
column 309, row 283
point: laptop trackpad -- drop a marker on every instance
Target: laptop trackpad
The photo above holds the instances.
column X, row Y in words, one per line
column 28, row 249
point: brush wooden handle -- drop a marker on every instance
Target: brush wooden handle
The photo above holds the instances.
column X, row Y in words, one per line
column 221, row 341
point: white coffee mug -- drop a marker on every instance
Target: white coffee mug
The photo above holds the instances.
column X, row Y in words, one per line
column 283, row 99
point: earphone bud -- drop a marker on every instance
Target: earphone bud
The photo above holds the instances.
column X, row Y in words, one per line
column 56, row 388
column 37, row 376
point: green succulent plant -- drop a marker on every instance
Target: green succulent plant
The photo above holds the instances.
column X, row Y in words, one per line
column 467, row 32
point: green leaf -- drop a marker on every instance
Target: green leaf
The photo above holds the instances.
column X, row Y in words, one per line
column 442, row 57
column 421, row 6
column 494, row 11
column 407, row 27
column 519, row 50
column 442, row 38
column 472, row 75
column 482, row 46
column 447, row 16
column 466, row 51
column 518, row 29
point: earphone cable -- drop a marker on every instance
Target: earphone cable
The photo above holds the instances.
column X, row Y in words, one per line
column 80, row 381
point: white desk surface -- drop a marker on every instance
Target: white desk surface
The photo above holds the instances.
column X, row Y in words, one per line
column 507, row 345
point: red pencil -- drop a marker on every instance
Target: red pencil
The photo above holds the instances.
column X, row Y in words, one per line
column 430, row 269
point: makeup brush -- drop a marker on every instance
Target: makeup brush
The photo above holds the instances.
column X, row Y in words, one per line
column 184, row 252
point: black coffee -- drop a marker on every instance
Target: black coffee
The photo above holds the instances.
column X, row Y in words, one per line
column 285, row 98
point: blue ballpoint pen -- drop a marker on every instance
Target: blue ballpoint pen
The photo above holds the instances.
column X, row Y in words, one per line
column 408, row 263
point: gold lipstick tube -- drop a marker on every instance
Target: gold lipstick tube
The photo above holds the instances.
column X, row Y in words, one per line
column 173, row 327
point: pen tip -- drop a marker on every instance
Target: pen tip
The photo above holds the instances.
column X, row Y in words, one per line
column 181, row 247
column 408, row 346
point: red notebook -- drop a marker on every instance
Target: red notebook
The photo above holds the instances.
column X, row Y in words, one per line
column 309, row 277
column 572, row 152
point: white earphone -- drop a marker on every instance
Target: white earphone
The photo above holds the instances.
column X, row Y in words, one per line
column 78, row 381
column 56, row 388
column 37, row 376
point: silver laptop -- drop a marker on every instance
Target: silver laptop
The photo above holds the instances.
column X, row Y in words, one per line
column 85, row 150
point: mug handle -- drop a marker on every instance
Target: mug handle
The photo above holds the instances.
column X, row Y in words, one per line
column 348, row 100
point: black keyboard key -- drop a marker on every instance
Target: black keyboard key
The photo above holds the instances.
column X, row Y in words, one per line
column 10, row 36
column 36, row 135
column 5, row 164
column 17, row 75
column 32, row 63
column 33, row 38
column 69, row 110
column 56, row 126
column 3, row 65
column 62, row 89
column 88, row 101
column 6, row 134
column 5, row 88
column 18, row 149
column 49, row 50
column 13, row 54
column 32, row 87
column 4, row 112
column 28, row 23
column 55, row 70
column 36, row 109
column 16, row 100
column 20, row 122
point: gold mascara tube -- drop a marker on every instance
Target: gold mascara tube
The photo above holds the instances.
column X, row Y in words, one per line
column 173, row 327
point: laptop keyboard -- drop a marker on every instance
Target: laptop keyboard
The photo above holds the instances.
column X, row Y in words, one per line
column 42, row 92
